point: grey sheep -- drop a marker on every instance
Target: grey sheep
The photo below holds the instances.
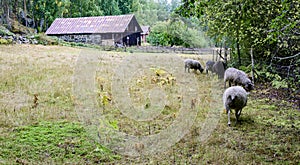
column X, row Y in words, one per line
column 234, row 98
column 209, row 66
column 219, row 68
column 238, row 77
column 192, row 64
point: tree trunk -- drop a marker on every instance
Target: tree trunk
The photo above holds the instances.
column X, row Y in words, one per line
column 5, row 16
column 25, row 13
column 238, row 42
column 238, row 16
column 1, row 11
column 15, row 9
column 41, row 24
column 225, row 53
column 238, row 51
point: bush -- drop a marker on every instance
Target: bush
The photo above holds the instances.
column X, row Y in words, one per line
column 5, row 41
column 265, row 74
column 177, row 33
column 46, row 40
column 5, row 32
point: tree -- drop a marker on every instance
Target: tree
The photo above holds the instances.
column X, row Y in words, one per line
column 246, row 24
column 174, row 4
column 176, row 32
column 5, row 12
column 149, row 12
column 125, row 6
column 110, row 7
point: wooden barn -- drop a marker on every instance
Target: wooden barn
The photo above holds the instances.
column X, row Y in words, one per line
column 101, row 30
column 145, row 33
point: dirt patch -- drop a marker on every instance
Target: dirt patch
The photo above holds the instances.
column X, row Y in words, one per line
column 282, row 97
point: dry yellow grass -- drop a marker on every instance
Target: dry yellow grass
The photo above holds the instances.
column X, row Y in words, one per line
column 36, row 75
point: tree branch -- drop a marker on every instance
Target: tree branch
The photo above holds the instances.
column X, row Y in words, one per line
column 284, row 58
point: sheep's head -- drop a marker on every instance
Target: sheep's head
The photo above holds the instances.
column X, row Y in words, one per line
column 249, row 86
column 201, row 69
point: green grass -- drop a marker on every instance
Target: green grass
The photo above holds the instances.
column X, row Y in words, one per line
column 39, row 125
column 266, row 135
column 52, row 142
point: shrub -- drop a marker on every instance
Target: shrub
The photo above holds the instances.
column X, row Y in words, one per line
column 5, row 32
column 46, row 40
column 5, row 41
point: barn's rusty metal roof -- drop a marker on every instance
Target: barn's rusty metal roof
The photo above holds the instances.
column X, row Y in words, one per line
column 87, row 25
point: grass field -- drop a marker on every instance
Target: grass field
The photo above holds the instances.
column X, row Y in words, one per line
column 40, row 123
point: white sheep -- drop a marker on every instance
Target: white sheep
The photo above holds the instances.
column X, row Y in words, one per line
column 192, row 64
column 209, row 66
column 234, row 98
column 238, row 77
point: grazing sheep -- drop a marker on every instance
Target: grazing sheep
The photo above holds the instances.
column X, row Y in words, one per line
column 192, row 64
column 234, row 98
column 219, row 68
column 238, row 77
column 209, row 66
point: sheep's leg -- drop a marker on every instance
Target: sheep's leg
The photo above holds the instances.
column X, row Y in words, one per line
column 225, row 84
column 240, row 111
column 188, row 68
column 237, row 114
column 228, row 113
column 229, row 83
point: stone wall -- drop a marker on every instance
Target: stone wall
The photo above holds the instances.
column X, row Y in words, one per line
column 109, row 39
column 84, row 38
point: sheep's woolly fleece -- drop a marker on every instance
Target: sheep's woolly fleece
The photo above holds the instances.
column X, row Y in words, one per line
column 238, row 77
column 209, row 66
column 234, row 98
column 192, row 64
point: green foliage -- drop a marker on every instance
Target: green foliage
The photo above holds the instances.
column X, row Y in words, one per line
column 149, row 12
column 58, row 142
column 5, row 41
column 159, row 35
column 262, row 74
column 43, row 12
column 280, row 84
column 271, row 28
column 265, row 26
column 110, row 7
column 46, row 40
column 195, row 39
column 176, row 32
column 5, row 32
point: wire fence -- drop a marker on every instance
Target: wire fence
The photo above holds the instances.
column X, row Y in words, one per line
column 177, row 50
column 278, row 65
column 288, row 68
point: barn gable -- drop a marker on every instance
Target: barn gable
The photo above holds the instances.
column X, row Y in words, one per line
column 145, row 33
column 103, row 30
